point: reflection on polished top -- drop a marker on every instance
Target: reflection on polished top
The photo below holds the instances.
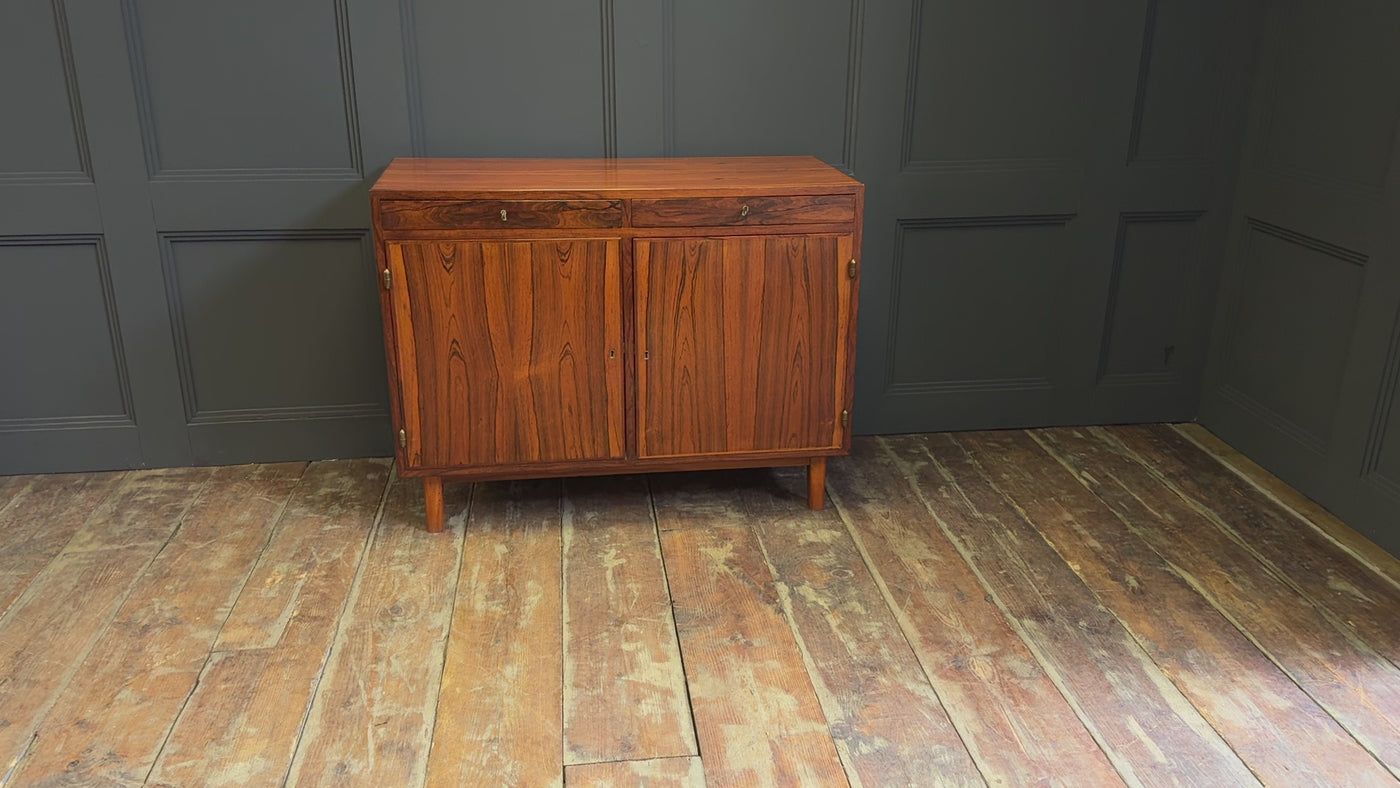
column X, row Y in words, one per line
column 438, row 177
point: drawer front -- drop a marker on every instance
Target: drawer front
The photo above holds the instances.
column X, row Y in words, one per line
column 499, row 214
column 740, row 211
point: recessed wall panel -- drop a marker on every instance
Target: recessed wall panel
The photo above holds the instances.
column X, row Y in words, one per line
column 1157, row 258
column 994, row 80
column 1292, row 325
column 1386, row 469
column 1330, row 67
column 41, row 134
column 257, row 87
column 762, row 78
column 62, row 361
column 275, row 324
column 505, row 79
column 1179, row 84
column 974, row 303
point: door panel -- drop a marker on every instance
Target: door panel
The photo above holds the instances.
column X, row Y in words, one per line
column 514, row 346
column 1021, row 161
column 742, row 343
column 65, row 399
column 507, row 79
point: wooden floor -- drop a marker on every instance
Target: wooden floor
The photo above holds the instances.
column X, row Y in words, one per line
column 1066, row 606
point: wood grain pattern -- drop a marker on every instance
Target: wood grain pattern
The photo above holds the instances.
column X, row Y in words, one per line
column 655, row 773
column 731, row 211
column 690, row 462
column 738, row 340
column 888, row 724
column 624, row 686
column 1011, row 717
column 372, row 717
column 1277, row 730
column 48, row 631
column 816, row 483
column 500, row 710
column 240, row 725
column 1358, row 688
column 144, row 510
column 1366, row 551
column 46, row 638
column 509, row 352
column 847, row 305
column 793, row 623
column 434, row 506
column 41, row 515
column 612, row 178
column 1334, row 580
column 749, row 689
column 1122, row 698
column 143, row 667
column 488, row 214
column 501, row 367
column 11, row 486
column 312, row 555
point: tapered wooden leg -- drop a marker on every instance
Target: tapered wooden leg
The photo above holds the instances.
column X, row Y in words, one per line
column 432, row 501
column 816, row 483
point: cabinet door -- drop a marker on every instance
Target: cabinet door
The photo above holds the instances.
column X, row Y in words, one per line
column 508, row 352
column 742, row 343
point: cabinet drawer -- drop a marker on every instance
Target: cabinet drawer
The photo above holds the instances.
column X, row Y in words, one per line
column 499, row 214
column 738, row 211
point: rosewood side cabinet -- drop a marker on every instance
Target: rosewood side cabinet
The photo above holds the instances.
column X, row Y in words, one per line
column 560, row 317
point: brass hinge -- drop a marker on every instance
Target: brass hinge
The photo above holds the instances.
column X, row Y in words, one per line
column 386, row 278
column 851, row 269
column 845, row 418
column 403, row 438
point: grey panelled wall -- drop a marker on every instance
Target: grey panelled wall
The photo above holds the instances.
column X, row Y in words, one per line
column 183, row 209
column 1306, row 346
column 182, row 233
column 1046, row 204
column 1056, row 194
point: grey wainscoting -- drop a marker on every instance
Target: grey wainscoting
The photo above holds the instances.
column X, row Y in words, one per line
column 183, row 211
column 1306, row 344
column 1048, row 189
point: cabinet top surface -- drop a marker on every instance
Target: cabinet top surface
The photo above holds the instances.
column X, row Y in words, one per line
column 613, row 177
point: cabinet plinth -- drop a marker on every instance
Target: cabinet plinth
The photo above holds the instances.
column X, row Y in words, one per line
column 547, row 317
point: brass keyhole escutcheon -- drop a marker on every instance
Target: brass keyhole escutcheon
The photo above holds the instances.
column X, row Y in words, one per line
column 743, row 210
column 503, row 214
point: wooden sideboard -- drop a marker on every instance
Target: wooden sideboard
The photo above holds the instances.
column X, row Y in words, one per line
column 560, row 317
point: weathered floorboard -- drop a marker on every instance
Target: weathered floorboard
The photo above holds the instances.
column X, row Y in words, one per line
column 241, row 723
column 42, row 514
column 754, row 705
column 311, row 558
column 371, row 720
column 1135, row 713
column 1367, row 551
column 1359, row 688
column 1318, row 567
column 624, row 687
column 684, row 772
column 11, row 486
column 160, row 618
column 1277, row 730
column 1012, row 718
column 885, row 718
column 47, row 633
column 145, row 664
column 500, row 709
